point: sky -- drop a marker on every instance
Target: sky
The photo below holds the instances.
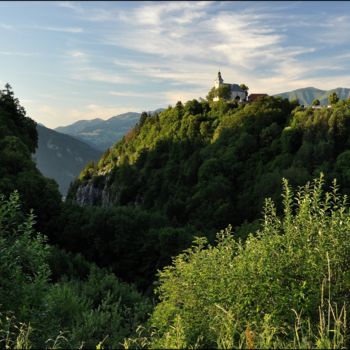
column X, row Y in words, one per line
column 68, row 61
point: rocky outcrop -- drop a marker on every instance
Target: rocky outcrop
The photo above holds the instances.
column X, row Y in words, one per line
column 92, row 194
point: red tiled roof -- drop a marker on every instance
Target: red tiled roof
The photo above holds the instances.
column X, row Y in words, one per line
column 254, row 97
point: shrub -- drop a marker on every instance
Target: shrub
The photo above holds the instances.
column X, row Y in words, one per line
column 297, row 264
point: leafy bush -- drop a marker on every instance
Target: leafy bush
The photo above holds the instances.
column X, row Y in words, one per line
column 23, row 267
column 85, row 305
column 296, row 265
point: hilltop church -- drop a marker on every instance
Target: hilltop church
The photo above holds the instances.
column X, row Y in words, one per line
column 236, row 92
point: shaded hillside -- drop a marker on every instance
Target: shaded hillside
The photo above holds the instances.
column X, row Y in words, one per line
column 62, row 157
column 307, row 95
column 18, row 141
column 101, row 134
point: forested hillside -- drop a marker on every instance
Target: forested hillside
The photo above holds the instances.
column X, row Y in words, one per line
column 213, row 164
column 183, row 193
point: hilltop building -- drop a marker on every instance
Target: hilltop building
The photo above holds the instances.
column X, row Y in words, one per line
column 236, row 92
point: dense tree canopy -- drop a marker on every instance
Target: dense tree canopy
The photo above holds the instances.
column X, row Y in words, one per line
column 210, row 165
column 333, row 98
column 85, row 302
column 18, row 140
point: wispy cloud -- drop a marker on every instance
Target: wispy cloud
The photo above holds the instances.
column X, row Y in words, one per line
column 82, row 68
column 133, row 94
column 138, row 55
column 19, row 54
column 94, row 74
column 95, row 14
column 60, row 29
column 336, row 31
column 188, row 42
column 6, row 26
column 69, row 5
column 77, row 54
column 173, row 96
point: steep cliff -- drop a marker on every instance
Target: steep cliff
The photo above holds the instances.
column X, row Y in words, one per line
column 88, row 194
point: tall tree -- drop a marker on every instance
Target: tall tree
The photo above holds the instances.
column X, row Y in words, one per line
column 333, row 98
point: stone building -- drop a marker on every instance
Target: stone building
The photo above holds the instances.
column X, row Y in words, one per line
column 236, row 92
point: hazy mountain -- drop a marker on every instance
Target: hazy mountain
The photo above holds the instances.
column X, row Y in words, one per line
column 307, row 95
column 62, row 157
column 79, row 126
column 101, row 134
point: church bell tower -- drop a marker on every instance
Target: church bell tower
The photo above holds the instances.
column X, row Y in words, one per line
column 219, row 81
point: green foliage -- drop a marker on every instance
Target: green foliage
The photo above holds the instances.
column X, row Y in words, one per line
column 22, row 261
column 13, row 119
column 244, row 87
column 18, row 139
column 83, row 306
column 296, row 263
column 203, row 166
column 316, row 102
column 195, row 167
column 100, row 306
column 333, row 98
column 88, row 171
column 223, row 92
column 139, row 242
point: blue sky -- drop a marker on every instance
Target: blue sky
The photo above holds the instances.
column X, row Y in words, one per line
column 82, row 60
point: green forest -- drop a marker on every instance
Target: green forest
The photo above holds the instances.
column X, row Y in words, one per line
column 209, row 225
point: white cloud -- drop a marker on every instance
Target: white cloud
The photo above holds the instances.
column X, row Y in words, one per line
column 15, row 53
column 60, row 29
column 178, row 47
column 243, row 45
column 48, row 111
column 173, row 96
column 132, row 94
column 6, row 26
column 336, row 30
column 47, row 96
column 77, row 54
column 94, row 74
column 69, row 5
column 187, row 42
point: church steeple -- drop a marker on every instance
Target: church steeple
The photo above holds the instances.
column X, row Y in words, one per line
column 219, row 81
column 220, row 78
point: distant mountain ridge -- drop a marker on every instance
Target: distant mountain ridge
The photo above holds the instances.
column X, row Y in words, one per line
column 102, row 134
column 62, row 157
column 308, row 94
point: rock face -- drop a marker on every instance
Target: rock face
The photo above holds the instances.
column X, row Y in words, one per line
column 90, row 194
